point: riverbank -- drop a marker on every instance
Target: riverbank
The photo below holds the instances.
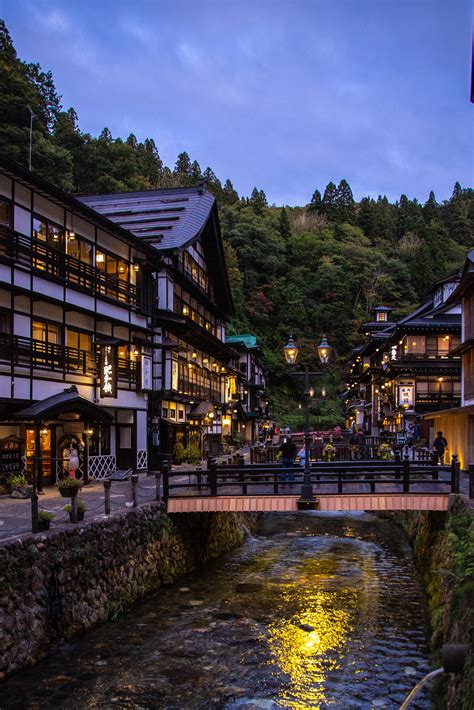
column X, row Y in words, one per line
column 443, row 545
column 61, row 583
column 316, row 610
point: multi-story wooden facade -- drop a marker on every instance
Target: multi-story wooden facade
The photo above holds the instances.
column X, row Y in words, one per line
column 194, row 374
column 75, row 330
column 407, row 368
column 252, row 416
column 457, row 423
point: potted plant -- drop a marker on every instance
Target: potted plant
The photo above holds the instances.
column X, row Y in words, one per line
column 44, row 520
column 192, row 454
column 18, row 486
column 178, row 448
column 81, row 509
column 69, row 486
column 384, row 452
column 329, row 453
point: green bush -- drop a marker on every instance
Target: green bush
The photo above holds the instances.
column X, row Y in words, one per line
column 45, row 517
column 178, row 448
column 191, row 454
column 80, row 506
column 17, row 480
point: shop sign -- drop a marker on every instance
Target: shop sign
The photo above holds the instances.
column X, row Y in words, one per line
column 108, row 371
column 146, row 373
column 406, row 395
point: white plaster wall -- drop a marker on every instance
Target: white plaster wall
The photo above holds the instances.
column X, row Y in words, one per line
column 22, row 221
column 141, row 430
column 46, row 208
column 5, row 274
column 22, row 195
column 77, row 298
column 21, row 325
column 112, row 244
column 5, row 186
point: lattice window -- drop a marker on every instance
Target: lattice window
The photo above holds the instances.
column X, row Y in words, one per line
column 101, row 467
column 142, row 459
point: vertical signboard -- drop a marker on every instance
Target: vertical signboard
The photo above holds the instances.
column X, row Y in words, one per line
column 405, row 395
column 108, row 371
column 146, row 383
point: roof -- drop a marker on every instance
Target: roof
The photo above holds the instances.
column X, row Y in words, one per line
column 200, row 410
column 65, row 402
column 467, row 278
column 249, row 341
column 168, row 218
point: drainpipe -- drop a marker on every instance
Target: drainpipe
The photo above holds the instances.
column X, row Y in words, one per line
column 454, row 657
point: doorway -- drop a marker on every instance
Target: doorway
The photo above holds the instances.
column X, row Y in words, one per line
column 125, row 447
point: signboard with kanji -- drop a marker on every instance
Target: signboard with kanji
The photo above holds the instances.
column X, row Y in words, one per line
column 108, row 371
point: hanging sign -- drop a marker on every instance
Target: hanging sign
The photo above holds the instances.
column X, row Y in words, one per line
column 108, row 371
column 146, row 373
column 405, row 395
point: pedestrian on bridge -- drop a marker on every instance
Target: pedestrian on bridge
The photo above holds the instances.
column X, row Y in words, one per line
column 440, row 445
column 288, row 453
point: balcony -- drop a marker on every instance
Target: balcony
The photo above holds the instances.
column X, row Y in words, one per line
column 432, row 401
column 428, row 355
column 193, row 389
column 26, row 352
column 66, row 269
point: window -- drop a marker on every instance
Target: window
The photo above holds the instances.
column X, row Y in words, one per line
column 5, row 213
column 381, row 316
column 78, row 340
column 5, row 321
column 415, row 344
column 49, row 233
column 46, row 332
column 79, row 249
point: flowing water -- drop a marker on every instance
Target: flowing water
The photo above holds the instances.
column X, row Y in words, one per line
column 316, row 611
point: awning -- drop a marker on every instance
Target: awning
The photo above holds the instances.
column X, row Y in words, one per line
column 200, row 410
column 67, row 402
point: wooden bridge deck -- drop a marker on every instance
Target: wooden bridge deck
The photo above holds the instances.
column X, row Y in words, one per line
column 336, row 486
column 267, row 503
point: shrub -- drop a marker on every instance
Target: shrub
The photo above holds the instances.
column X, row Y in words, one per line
column 80, row 506
column 17, row 480
column 192, row 453
column 45, row 517
column 178, row 448
column 329, row 452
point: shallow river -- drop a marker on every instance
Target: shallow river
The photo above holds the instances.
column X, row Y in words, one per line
column 316, row 611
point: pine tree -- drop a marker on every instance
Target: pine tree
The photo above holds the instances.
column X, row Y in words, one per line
column 316, row 202
column 195, row 173
column 229, row 195
column 182, row 169
column 457, row 191
column 329, row 206
column 430, row 208
column 149, row 163
column 284, row 225
column 258, row 200
column 344, row 202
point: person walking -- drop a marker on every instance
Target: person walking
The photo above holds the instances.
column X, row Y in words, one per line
column 360, row 442
column 288, row 453
column 440, row 445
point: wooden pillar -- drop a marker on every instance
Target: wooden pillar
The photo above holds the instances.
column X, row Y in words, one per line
column 107, row 485
column 38, row 459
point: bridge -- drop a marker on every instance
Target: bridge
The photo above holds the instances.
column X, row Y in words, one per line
column 337, row 486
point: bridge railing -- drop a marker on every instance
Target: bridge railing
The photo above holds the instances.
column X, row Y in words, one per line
column 328, row 477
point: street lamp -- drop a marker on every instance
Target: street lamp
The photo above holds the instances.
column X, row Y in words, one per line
column 290, row 351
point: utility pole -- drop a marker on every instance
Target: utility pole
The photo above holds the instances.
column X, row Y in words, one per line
column 32, row 116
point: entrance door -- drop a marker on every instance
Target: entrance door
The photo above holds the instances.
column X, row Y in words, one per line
column 471, row 442
column 125, row 451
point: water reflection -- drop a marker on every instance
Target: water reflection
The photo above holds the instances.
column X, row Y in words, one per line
column 317, row 612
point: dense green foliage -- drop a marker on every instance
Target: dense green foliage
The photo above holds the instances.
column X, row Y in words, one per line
column 303, row 270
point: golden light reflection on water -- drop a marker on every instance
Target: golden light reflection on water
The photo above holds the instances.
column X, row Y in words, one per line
column 305, row 655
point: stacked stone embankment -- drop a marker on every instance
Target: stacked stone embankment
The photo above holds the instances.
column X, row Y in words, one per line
column 443, row 544
column 57, row 584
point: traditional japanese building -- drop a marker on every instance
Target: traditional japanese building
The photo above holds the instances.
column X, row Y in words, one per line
column 76, row 333
column 407, row 368
column 457, row 424
column 252, row 414
column 194, row 373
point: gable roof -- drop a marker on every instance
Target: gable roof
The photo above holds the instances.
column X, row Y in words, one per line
column 168, row 218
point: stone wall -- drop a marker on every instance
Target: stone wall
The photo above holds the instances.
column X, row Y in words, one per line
column 444, row 551
column 57, row 584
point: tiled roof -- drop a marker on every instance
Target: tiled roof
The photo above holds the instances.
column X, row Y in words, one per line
column 168, row 219
column 250, row 341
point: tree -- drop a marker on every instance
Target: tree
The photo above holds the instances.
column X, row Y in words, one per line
column 344, row 201
column 430, row 208
column 229, row 195
column 329, row 203
column 258, row 200
column 195, row 173
column 457, row 191
column 284, row 225
column 316, row 202
column 182, row 169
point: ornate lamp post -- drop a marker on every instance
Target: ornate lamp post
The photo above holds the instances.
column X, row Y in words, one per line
column 290, row 351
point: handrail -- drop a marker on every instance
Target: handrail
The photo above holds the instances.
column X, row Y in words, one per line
column 43, row 258
column 21, row 351
column 393, row 473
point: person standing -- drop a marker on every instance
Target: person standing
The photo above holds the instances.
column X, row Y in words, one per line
column 360, row 442
column 288, row 453
column 440, row 445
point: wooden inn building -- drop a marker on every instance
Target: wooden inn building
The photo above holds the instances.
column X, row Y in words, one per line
column 112, row 326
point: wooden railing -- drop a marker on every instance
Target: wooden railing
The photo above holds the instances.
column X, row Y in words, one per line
column 45, row 259
column 27, row 352
column 330, row 477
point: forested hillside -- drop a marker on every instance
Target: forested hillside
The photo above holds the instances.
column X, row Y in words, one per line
column 305, row 270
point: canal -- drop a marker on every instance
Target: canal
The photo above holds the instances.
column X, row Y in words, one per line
column 315, row 611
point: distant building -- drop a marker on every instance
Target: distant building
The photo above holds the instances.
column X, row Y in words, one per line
column 407, row 368
column 458, row 424
column 253, row 408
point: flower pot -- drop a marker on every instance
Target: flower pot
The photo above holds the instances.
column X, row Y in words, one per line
column 80, row 515
column 43, row 525
column 68, row 491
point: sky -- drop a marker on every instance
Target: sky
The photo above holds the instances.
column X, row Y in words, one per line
column 285, row 95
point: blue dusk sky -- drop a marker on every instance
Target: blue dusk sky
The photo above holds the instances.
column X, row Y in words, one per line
column 285, row 95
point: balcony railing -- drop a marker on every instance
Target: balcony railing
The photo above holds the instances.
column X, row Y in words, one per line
column 193, row 389
column 47, row 260
column 428, row 355
column 27, row 352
